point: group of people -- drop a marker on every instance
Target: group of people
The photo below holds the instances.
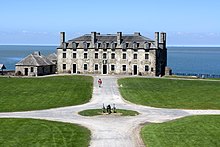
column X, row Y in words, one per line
column 109, row 109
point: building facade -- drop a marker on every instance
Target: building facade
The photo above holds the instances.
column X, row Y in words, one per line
column 114, row 54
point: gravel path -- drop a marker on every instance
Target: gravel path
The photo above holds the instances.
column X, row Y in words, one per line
column 110, row 130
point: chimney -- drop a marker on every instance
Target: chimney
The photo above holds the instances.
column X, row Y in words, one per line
column 137, row 33
column 119, row 38
column 93, row 37
column 157, row 40
column 163, row 38
column 62, row 37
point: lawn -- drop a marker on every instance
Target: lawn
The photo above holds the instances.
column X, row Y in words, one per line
column 41, row 133
column 193, row 131
column 22, row 94
column 95, row 112
column 168, row 93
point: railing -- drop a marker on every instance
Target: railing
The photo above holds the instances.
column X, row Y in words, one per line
column 197, row 75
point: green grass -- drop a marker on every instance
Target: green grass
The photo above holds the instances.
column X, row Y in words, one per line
column 193, row 131
column 22, row 94
column 95, row 112
column 168, row 93
column 41, row 133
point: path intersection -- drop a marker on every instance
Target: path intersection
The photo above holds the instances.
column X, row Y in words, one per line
column 110, row 130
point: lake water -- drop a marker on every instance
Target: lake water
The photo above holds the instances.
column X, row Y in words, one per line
column 203, row 60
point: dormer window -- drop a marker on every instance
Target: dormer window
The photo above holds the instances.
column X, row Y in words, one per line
column 84, row 45
column 147, row 45
column 124, row 46
column 74, row 45
column 99, row 45
column 107, row 45
column 134, row 45
column 113, row 45
column 104, row 45
column 127, row 45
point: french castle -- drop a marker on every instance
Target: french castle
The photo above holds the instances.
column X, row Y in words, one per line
column 113, row 54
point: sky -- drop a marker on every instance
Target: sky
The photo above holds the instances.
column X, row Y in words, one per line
column 186, row 22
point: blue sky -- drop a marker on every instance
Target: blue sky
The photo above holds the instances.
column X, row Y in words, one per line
column 187, row 22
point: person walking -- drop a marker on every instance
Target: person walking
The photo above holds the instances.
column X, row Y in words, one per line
column 100, row 82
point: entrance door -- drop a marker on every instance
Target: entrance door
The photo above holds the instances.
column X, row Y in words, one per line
column 26, row 71
column 135, row 69
column 74, row 68
column 104, row 69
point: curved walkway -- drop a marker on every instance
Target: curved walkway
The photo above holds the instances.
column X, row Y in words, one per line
column 110, row 130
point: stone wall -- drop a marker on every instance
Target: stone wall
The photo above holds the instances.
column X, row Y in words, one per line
column 37, row 71
column 141, row 62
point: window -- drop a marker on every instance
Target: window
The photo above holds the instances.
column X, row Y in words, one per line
column 74, row 55
column 85, row 55
column 134, row 45
column 107, row 45
column 85, row 45
column 85, row 67
column 64, row 55
column 152, row 69
column 64, row 50
column 32, row 69
column 96, row 55
column 104, row 55
column 96, row 50
column 146, row 50
column 74, row 49
column 146, row 68
column 104, row 50
column 113, row 50
column 74, row 45
column 123, row 67
column 146, row 56
column 124, row 46
column 135, row 56
column 113, row 45
column 147, row 45
column 124, row 50
column 113, row 56
column 96, row 67
column 64, row 66
column 112, row 67
column 85, row 50
column 124, row 56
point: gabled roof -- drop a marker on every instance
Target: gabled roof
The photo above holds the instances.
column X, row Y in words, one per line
column 52, row 57
column 35, row 59
column 2, row 66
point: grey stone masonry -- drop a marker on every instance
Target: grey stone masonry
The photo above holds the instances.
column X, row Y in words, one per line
column 114, row 54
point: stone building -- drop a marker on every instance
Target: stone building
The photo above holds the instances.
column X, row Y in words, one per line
column 97, row 53
column 35, row 64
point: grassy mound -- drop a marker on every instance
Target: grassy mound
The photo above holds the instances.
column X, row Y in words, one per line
column 30, row 133
column 168, row 93
column 22, row 94
column 193, row 131
column 94, row 112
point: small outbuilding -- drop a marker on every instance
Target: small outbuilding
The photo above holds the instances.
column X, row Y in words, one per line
column 2, row 67
column 35, row 64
